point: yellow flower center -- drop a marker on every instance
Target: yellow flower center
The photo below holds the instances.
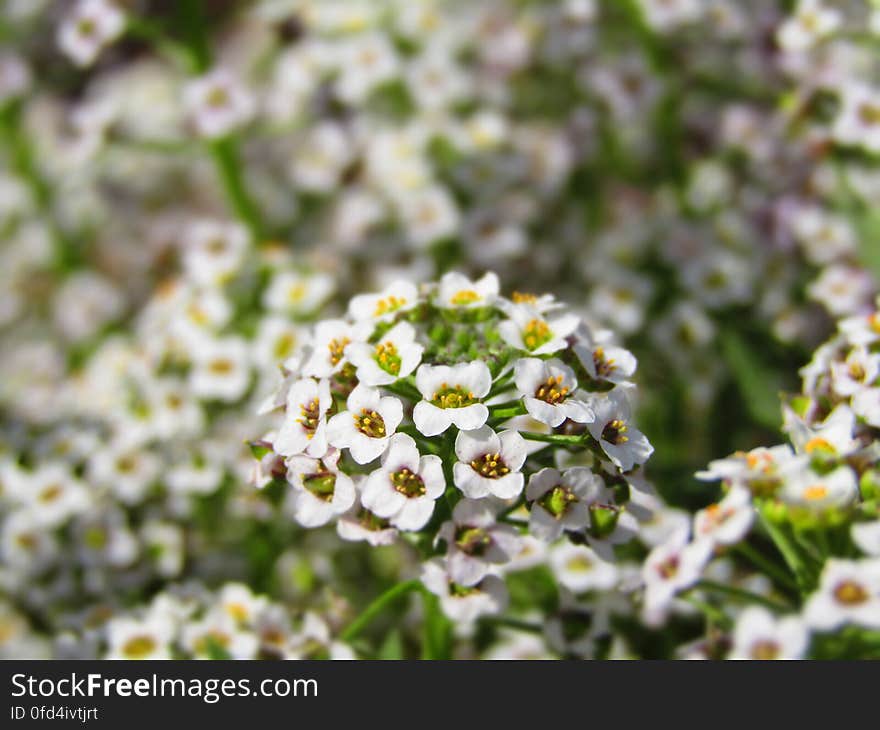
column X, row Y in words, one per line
column 138, row 647
column 552, row 391
column 536, row 333
column 370, row 423
column 850, row 593
column 491, row 466
column 337, row 349
column 464, row 297
column 452, row 397
column 309, row 414
column 388, row 304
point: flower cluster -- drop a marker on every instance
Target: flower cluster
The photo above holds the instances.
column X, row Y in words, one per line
column 800, row 521
column 465, row 420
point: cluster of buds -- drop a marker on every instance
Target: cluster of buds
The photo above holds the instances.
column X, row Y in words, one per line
column 461, row 420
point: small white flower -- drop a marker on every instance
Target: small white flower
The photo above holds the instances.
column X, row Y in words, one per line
column 728, row 521
column 276, row 342
column 669, row 568
column 624, row 444
column 428, row 214
column 367, row 425
column 213, row 251
column 866, row 405
column 858, row 371
column 304, row 427
column 147, row 638
column 396, row 355
column 331, row 338
column 320, row 491
column 604, row 361
column 406, row 486
column 365, row 62
column 489, row 463
column 561, row 500
column 127, row 471
column 464, row 604
column 475, row 541
column 581, row 569
column 866, row 536
column 87, row 30
column 548, row 388
column 835, row 489
column 528, row 330
column 832, row 438
column 760, row 635
column 849, row 592
column 221, row 369
column 218, row 634
column 399, row 296
column 451, row 396
column 53, row 494
column 295, row 293
column 456, row 291
column 218, row 103
column 812, row 20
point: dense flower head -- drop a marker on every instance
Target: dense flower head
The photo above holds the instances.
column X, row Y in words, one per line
column 433, row 414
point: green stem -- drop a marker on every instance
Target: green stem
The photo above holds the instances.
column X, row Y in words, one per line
column 790, row 552
column 553, row 438
column 514, row 623
column 713, row 614
column 742, row 594
column 769, row 567
column 226, row 160
column 377, row 607
column 179, row 54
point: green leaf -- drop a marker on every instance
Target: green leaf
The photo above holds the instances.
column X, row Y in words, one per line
column 392, row 647
column 760, row 385
column 437, row 629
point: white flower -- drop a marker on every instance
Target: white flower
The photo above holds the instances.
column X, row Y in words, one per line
column 812, row 20
column 218, row 634
column 464, row 604
column 475, row 541
column 832, row 438
column 147, row 638
column 276, row 342
column 760, row 635
column 841, row 289
column 860, row 369
column 807, row 488
column 304, row 427
column 561, row 500
column 728, row 521
column 399, row 296
column 127, row 471
column 367, row 425
column 456, row 291
column 213, row 251
column 428, row 215
column 320, row 490
column 665, row 15
column 866, row 405
column 528, row 330
column 581, row 569
column 53, row 494
column 395, row 356
column 866, row 536
column 624, row 444
column 221, row 369
column 15, row 76
column 218, row 103
column 849, row 592
column 365, row 62
column 295, row 293
column 87, row 30
column 548, row 388
column 361, row 525
column 489, row 463
column 451, row 397
column 329, row 343
column 606, row 362
column 669, row 568
column 406, row 486
column 25, row 543
column 322, row 158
